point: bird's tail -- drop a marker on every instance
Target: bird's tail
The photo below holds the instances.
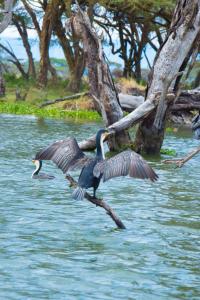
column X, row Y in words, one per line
column 78, row 193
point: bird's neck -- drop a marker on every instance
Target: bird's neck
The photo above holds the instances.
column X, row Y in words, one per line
column 100, row 149
column 38, row 167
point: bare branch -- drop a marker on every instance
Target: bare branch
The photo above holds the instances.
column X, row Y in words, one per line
column 100, row 203
column 181, row 161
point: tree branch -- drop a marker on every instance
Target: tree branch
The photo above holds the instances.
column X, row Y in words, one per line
column 181, row 161
column 100, row 203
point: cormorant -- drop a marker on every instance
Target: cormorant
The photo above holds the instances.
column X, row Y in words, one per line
column 67, row 155
column 196, row 126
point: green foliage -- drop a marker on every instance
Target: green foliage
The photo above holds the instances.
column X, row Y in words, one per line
column 23, row 108
column 133, row 6
column 170, row 152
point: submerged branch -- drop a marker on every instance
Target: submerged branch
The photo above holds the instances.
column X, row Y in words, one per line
column 181, row 161
column 99, row 202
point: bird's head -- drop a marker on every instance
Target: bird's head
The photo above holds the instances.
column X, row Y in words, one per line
column 102, row 135
column 37, row 163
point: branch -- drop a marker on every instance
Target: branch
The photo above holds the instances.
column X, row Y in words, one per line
column 99, row 202
column 125, row 123
column 181, row 161
column 75, row 96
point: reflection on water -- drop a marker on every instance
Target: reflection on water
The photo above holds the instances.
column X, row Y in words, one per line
column 53, row 247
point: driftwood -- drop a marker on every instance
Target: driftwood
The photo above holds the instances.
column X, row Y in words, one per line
column 100, row 203
column 181, row 161
column 71, row 97
column 188, row 100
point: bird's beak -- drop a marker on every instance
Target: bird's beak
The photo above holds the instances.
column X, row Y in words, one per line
column 33, row 161
column 105, row 135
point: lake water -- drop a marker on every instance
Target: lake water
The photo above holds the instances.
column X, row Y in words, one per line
column 52, row 247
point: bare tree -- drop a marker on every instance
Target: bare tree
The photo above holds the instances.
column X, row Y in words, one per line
column 101, row 85
column 168, row 65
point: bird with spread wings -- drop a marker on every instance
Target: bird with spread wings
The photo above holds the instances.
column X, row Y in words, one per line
column 67, row 155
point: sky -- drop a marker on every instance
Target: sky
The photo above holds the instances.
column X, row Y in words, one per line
column 12, row 36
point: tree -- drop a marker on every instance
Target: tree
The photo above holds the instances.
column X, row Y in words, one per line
column 102, row 87
column 168, row 66
column 170, row 60
column 7, row 17
column 44, row 35
column 72, row 50
column 133, row 31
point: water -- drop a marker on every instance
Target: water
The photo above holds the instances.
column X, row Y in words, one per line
column 53, row 247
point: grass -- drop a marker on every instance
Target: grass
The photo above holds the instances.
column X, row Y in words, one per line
column 170, row 152
column 23, row 108
column 129, row 84
column 80, row 109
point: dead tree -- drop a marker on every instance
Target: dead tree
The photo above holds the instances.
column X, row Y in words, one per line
column 184, row 31
column 170, row 61
column 102, row 87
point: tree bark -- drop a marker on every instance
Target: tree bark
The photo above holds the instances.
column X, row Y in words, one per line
column 100, row 203
column 73, row 54
column 2, row 83
column 184, row 29
column 101, row 85
column 46, row 63
column 51, row 13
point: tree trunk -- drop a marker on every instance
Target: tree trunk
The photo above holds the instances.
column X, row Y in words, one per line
column 74, row 57
column 2, row 83
column 101, row 84
column 49, row 18
column 76, row 75
column 184, row 29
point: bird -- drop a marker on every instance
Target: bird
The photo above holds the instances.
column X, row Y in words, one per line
column 36, row 174
column 67, row 155
column 196, row 126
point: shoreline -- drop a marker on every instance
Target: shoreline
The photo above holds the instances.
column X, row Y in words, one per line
column 23, row 108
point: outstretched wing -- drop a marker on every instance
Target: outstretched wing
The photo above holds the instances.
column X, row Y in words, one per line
column 66, row 154
column 125, row 163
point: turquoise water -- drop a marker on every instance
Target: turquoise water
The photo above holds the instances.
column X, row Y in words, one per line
column 53, row 247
